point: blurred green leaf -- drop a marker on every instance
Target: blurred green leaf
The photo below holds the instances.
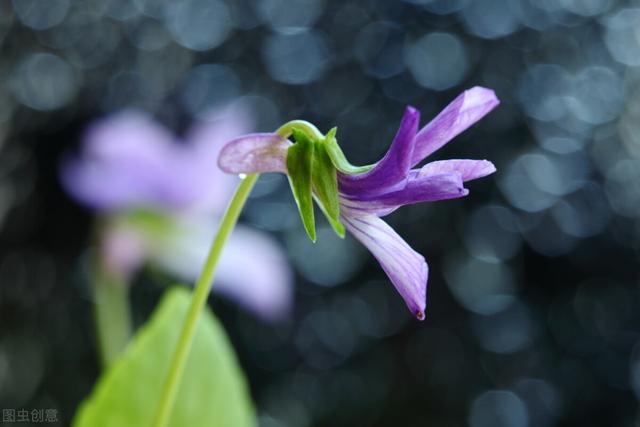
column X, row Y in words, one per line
column 213, row 391
column 299, row 162
column 325, row 183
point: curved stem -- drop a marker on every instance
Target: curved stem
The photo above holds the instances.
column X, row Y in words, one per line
column 198, row 301
column 308, row 128
column 112, row 313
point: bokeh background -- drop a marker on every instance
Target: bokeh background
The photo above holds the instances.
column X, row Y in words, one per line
column 533, row 294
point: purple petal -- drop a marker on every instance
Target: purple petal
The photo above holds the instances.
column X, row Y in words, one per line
column 468, row 169
column 464, row 111
column 393, row 167
column 126, row 134
column 419, row 189
column 127, row 162
column 204, row 141
column 215, row 129
column 405, row 267
column 253, row 270
column 255, row 153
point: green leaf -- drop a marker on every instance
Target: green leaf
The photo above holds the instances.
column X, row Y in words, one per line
column 325, row 183
column 213, row 391
column 299, row 164
column 338, row 158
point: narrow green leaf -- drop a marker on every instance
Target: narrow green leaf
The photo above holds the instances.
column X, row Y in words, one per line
column 299, row 165
column 338, row 158
column 325, row 183
column 213, row 391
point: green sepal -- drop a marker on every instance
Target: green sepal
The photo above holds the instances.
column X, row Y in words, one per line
column 325, row 183
column 338, row 158
column 299, row 166
column 335, row 223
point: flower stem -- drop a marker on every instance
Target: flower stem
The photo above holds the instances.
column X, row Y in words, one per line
column 112, row 314
column 198, row 301
column 308, row 128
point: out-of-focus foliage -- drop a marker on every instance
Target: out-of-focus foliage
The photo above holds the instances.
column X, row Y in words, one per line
column 212, row 393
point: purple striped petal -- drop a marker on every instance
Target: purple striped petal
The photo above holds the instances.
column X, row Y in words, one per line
column 419, row 189
column 464, row 111
column 393, row 167
column 468, row 169
column 255, row 153
column 406, row 268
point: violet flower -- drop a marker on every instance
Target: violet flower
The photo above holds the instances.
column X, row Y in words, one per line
column 159, row 200
column 366, row 194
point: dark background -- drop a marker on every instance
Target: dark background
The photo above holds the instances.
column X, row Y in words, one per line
column 532, row 316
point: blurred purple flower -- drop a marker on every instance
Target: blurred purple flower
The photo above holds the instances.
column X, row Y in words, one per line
column 160, row 198
column 391, row 183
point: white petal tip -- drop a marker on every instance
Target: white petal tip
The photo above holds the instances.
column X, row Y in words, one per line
column 480, row 98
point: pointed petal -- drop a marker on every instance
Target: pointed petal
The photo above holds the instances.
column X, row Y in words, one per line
column 464, row 111
column 405, row 267
column 253, row 270
column 468, row 169
column 255, row 153
column 393, row 167
column 419, row 189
